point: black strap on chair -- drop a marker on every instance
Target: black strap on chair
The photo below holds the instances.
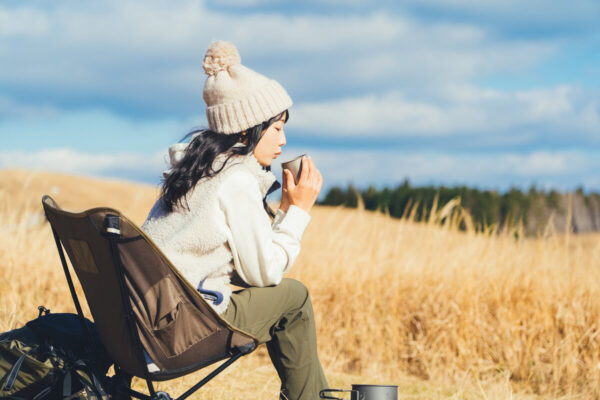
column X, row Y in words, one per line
column 113, row 232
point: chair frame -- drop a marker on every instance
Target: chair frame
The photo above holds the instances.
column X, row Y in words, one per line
column 112, row 234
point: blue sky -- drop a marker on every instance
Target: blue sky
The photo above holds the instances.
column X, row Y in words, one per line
column 490, row 94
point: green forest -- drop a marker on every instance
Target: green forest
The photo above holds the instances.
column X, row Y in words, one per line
column 487, row 207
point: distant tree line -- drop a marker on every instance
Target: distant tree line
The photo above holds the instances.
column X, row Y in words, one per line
column 533, row 208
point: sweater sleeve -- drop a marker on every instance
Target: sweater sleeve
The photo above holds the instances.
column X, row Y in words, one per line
column 279, row 215
column 262, row 252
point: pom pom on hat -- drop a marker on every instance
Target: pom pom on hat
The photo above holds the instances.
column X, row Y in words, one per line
column 220, row 56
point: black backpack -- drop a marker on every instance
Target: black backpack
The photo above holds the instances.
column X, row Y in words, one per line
column 52, row 357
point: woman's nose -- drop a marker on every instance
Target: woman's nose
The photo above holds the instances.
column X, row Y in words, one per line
column 282, row 142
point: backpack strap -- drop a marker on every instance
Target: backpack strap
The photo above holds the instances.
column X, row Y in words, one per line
column 11, row 376
column 9, row 379
column 93, row 388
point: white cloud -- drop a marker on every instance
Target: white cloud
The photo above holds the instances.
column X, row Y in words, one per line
column 405, row 75
column 372, row 114
column 154, row 50
column 464, row 110
column 73, row 161
column 22, row 22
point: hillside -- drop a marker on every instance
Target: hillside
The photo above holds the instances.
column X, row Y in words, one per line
column 440, row 312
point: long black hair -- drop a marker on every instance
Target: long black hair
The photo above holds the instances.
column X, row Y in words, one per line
column 200, row 154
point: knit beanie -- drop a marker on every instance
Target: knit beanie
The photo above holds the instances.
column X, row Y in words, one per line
column 236, row 97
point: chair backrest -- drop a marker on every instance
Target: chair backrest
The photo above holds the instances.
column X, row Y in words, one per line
column 138, row 299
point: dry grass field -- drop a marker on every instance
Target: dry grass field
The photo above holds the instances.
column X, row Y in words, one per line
column 442, row 313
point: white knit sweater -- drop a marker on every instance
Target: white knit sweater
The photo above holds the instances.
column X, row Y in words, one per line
column 226, row 228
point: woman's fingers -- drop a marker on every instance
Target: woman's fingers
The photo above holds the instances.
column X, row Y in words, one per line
column 310, row 175
column 319, row 180
column 304, row 174
column 315, row 178
column 313, row 170
column 288, row 181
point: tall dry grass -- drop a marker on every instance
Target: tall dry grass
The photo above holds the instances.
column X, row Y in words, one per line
column 440, row 312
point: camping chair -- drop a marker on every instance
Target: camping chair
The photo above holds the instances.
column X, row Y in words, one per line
column 151, row 321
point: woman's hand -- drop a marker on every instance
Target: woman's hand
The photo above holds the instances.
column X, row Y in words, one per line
column 305, row 193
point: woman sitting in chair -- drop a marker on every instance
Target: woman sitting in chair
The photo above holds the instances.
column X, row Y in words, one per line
column 212, row 219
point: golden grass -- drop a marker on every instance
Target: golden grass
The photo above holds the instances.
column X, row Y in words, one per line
column 439, row 312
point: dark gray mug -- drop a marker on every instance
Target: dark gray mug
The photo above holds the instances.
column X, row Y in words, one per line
column 295, row 167
column 366, row 392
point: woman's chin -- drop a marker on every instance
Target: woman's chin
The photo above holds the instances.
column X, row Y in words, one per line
column 264, row 163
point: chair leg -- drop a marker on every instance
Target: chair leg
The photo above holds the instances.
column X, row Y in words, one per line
column 161, row 396
column 221, row 367
column 151, row 388
column 119, row 386
column 154, row 395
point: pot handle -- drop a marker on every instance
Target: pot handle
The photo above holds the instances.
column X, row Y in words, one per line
column 323, row 396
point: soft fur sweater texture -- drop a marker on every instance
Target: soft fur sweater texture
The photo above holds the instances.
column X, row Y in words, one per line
column 196, row 240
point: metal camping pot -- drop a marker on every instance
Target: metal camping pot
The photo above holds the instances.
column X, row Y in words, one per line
column 295, row 167
column 366, row 392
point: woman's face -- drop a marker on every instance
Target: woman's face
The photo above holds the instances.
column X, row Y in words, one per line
column 269, row 145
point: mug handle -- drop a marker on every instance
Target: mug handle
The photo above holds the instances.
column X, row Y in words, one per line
column 323, row 396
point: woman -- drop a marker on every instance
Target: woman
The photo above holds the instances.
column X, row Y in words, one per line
column 212, row 218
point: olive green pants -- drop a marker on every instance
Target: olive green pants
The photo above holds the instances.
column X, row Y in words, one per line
column 282, row 317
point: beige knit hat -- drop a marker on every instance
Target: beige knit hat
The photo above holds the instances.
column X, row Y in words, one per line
column 238, row 98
